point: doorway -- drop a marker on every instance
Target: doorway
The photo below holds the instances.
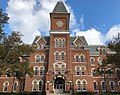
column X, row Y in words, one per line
column 59, row 85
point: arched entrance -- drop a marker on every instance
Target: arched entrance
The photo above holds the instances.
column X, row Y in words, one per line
column 59, row 85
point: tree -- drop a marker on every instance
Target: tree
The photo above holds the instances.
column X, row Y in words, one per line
column 114, row 58
column 103, row 70
column 14, row 54
column 3, row 20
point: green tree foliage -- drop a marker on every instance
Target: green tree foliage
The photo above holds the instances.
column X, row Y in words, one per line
column 3, row 20
column 14, row 53
column 114, row 58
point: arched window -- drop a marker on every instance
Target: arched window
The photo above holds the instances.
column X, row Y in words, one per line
column 84, row 85
column 103, row 86
column 56, row 56
column 5, row 86
column 56, row 69
column 92, row 71
column 78, row 85
column 38, row 46
column 37, row 58
column 60, row 43
column 82, row 58
column 63, row 42
column 15, row 86
column 77, row 58
column 62, row 68
column 40, row 85
column 56, row 43
column 95, row 86
column 112, row 85
column 34, row 85
column 77, row 70
column 41, row 71
column 77, row 46
column 104, row 51
column 92, row 61
column 42, row 46
column 42, row 58
column 83, row 70
column 62, row 56
column 35, row 71
column 100, row 51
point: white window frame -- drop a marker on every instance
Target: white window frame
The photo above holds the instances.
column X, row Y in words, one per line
column 5, row 86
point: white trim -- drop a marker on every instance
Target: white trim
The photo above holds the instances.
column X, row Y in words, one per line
column 59, row 32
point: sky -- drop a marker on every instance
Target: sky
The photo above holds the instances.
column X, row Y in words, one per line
column 97, row 20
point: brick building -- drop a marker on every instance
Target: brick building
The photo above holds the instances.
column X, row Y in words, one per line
column 62, row 63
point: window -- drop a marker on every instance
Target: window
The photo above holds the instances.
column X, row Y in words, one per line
column 35, row 71
column 82, row 58
column 62, row 68
column 15, row 86
column 77, row 46
column 62, row 56
column 100, row 51
column 42, row 46
column 77, row 70
column 38, row 46
column 34, row 85
column 112, row 85
column 63, row 42
column 82, row 70
column 56, row 56
column 60, row 43
column 84, row 85
column 77, row 58
column 5, row 86
column 41, row 71
column 56, row 69
column 40, row 85
column 92, row 61
column 95, row 86
column 7, row 73
column 42, row 58
column 92, row 71
column 78, row 85
column 104, row 51
column 103, row 86
column 56, row 43
column 37, row 58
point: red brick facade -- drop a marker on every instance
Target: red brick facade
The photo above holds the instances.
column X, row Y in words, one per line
column 62, row 63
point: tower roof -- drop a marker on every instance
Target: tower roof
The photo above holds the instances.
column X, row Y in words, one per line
column 60, row 8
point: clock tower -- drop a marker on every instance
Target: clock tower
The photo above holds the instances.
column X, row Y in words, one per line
column 59, row 52
column 59, row 19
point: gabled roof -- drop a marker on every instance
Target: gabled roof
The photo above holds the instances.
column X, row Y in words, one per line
column 37, row 38
column 82, row 38
column 60, row 8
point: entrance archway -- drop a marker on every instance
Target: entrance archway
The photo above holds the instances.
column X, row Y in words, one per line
column 59, row 85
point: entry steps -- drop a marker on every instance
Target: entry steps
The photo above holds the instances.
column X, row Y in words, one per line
column 58, row 94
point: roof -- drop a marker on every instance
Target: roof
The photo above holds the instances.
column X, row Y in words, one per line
column 60, row 8
column 93, row 49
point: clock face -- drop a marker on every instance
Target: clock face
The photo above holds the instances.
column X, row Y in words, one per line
column 59, row 23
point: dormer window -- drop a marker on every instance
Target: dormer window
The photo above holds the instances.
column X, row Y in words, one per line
column 38, row 46
column 104, row 51
column 100, row 51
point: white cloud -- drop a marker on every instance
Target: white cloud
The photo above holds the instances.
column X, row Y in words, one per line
column 92, row 36
column 31, row 17
column 112, row 32
column 95, row 37
column 82, row 21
